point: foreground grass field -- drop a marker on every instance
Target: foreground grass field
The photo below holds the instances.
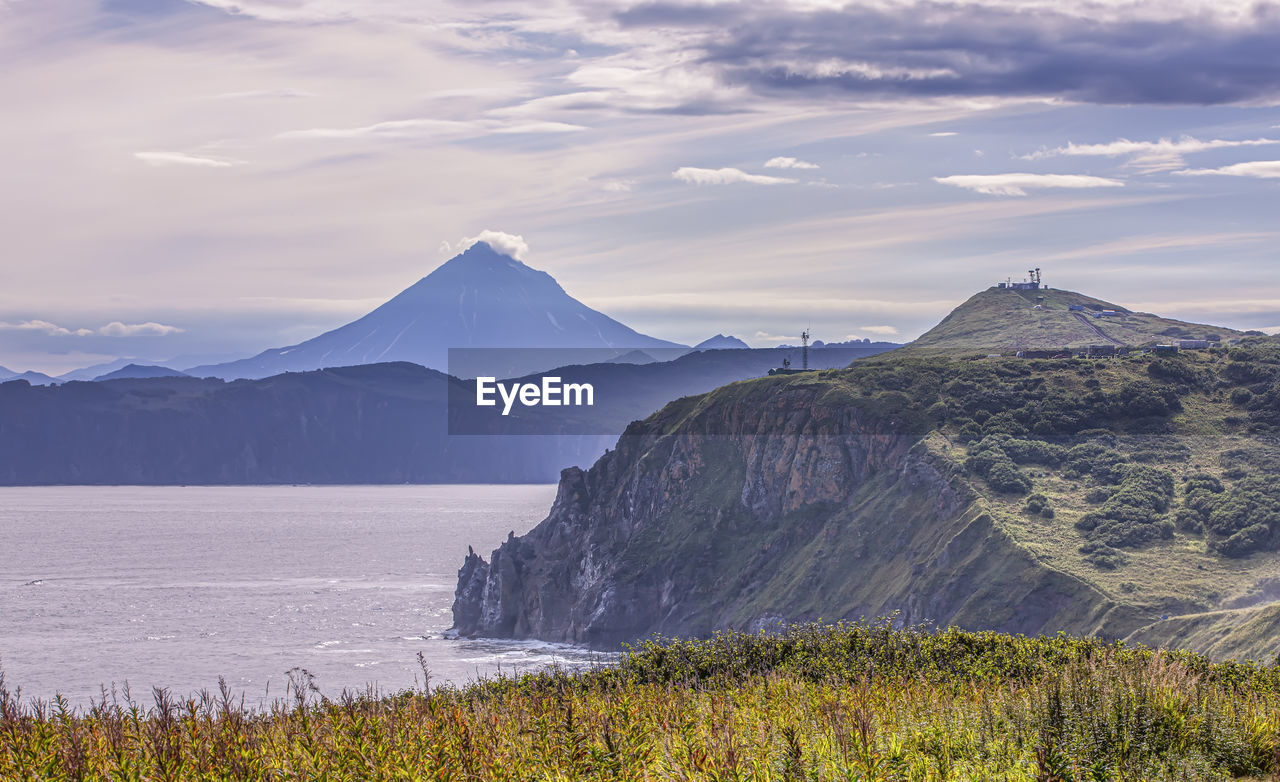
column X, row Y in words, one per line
column 853, row 702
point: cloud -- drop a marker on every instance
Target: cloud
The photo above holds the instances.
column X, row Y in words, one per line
column 260, row 94
column 112, row 329
column 712, row 57
column 1016, row 184
column 1115, row 53
column 181, row 159
column 788, row 162
column 725, row 176
column 149, row 329
column 764, row 336
column 883, row 330
column 1259, row 169
column 1152, row 155
column 619, row 185
column 505, row 243
column 433, row 128
column 943, row 133
column 44, row 326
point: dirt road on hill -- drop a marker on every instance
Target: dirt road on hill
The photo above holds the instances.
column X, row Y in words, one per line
column 1096, row 330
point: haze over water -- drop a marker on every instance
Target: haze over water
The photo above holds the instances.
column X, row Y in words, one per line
column 176, row 586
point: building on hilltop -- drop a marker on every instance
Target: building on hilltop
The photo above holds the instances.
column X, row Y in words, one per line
column 1032, row 282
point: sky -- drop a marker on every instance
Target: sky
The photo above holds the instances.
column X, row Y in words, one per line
column 209, row 179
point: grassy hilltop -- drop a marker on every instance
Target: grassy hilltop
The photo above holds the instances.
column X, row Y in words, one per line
column 1006, row 320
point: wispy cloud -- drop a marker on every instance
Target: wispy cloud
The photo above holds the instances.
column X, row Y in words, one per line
column 112, row 329
column 149, row 329
column 1161, row 243
column 764, row 336
column 45, row 327
column 263, row 94
column 1258, row 169
column 432, row 128
column 1152, row 155
column 1018, row 184
column 943, row 133
column 881, row 330
column 619, row 185
column 182, row 159
column 788, row 162
column 725, row 176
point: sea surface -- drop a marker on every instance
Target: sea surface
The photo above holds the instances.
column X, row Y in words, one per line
column 174, row 587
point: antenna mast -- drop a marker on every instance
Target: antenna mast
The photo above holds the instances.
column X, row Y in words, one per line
column 804, row 349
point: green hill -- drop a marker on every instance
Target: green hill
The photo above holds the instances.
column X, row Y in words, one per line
column 1126, row 497
column 1001, row 320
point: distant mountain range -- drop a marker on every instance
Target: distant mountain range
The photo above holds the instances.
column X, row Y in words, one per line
column 478, row 299
column 98, row 370
column 379, row 423
column 721, row 342
column 34, row 378
column 139, row 371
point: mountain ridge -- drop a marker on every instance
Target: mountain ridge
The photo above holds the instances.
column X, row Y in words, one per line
column 721, row 342
column 140, row 371
column 372, row 423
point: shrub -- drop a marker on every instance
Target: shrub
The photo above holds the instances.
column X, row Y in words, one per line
column 1243, row 520
column 1004, row 477
column 1188, row 520
column 1033, row 451
column 1253, row 538
column 1134, row 513
column 1103, row 556
column 1104, row 464
column 1098, row 494
column 1202, row 480
column 1038, row 504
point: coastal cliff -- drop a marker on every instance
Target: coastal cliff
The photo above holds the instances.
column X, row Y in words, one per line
column 1132, row 496
column 761, row 504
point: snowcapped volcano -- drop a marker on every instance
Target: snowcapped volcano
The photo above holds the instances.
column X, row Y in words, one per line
column 478, row 299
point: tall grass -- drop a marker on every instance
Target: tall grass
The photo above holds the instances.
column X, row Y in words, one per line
column 851, row 702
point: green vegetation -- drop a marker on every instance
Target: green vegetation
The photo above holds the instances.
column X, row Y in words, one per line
column 851, row 702
column 1123, row 426
column 1139, row 486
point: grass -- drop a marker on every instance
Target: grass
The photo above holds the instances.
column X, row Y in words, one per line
column 849, row 702
column 997, row 320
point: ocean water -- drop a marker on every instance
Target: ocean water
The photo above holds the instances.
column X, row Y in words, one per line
column 174, row 587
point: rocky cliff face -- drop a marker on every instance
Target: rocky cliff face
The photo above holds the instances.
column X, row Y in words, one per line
column 764, row 503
